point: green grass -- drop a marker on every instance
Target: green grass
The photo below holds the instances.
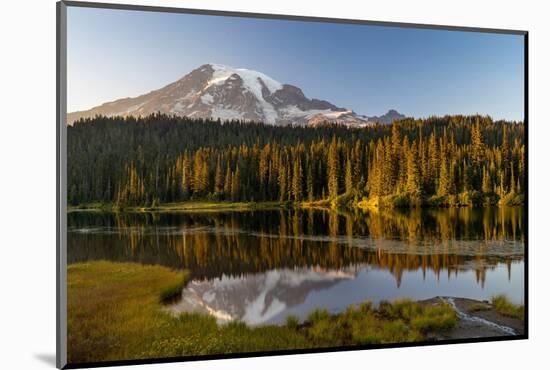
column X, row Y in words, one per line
column 115, row 313
column 343, row 201
column 465, row 199
column 318, row 315
column 91, row 206
column 503, row 306
column 113, row 308
column 397, row 322
column 188, row 206
column 173, row 292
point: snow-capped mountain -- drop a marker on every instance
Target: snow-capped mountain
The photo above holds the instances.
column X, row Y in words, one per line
column 218, row 91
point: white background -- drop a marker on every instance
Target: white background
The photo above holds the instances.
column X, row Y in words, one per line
column 27, row 182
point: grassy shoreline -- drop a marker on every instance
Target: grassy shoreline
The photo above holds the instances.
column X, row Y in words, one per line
column 188, row 206
column 342, row 202
column 115, row 312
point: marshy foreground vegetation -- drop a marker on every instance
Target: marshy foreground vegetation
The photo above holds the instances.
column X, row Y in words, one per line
column 503, row 306
column 115, row 312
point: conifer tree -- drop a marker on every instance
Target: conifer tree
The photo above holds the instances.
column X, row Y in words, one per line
column 433, row 165
column 200, row 173
column 413, row 174
column 478, row 150
column 512, row 179
column 228, row 181
column 236, row 185
column 282, row 180
column 444, row 183
column 486, row 183
column 333, row 169
column 218, row 178
column 263, row 169
column 185, row 177
column 349, row 177
column 297, row 181
column 505, row 148
column 309, row 184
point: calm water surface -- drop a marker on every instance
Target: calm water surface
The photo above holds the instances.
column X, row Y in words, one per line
column 260, row 267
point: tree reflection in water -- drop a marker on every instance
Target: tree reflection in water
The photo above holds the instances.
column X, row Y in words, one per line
column 211, row 245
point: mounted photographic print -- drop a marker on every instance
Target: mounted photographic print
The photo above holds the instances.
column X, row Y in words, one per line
column 234, row 184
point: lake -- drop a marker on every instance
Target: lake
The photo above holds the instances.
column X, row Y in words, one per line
column 261, row 266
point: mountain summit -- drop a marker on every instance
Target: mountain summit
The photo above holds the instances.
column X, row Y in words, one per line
column 219, row 91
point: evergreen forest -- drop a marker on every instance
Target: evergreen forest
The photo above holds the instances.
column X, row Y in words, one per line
column 438, row 161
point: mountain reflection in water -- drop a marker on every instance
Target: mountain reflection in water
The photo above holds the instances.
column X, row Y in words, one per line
column 261, row 266
column 259, row 297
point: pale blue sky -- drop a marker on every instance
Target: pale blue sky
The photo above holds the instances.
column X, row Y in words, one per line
column 370, row 69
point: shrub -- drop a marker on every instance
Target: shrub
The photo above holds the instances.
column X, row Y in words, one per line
column 490, row 199
column 322, row 332
column 511, row 199
column 344, row 200
column 505, row 307
column 366, row 307
column 471, row 198
column 292, row 322
column 318, row 315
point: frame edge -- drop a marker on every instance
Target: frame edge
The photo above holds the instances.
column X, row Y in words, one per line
column 61, row 185
column 292, row 17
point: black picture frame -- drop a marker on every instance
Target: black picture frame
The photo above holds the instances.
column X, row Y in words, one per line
column 61, row 189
